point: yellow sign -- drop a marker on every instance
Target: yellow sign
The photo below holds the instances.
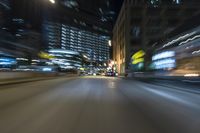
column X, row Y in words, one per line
column 45, row 55
column 138, row 57
column 138, row 54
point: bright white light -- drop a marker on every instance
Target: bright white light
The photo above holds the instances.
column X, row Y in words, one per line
column 22, row 59
column 52, row 1
column 165, row 66
column 60, row 51
column 191, row 75
column 190, row 39
column 35, row 60
column 46, row 69
column 110, row 43
column 85, row 56
column 166, row 54
column 112, row 62
column 5, row 63
column 178, row 39
column 164, row 61
column 177, row 1
column 196, row 52
column 94, row 74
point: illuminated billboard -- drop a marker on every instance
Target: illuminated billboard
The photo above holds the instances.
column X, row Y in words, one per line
column 164, row 60
column 137, row 60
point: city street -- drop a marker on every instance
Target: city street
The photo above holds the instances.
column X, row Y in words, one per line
column 99, row 105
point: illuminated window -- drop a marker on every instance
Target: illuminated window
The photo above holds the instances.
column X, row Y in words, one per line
column 154, row 3
column 177, row 1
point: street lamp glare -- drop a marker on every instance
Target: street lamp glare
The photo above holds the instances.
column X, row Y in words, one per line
column 110, row 43
column 52, row 1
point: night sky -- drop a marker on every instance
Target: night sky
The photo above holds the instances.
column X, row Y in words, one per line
column 31, row 11
column 118, row 4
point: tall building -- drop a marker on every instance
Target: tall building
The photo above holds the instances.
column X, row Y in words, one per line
column 66, row 37
column 179, row 55
column 143, row 24
column 52, row 34
column 4, row 12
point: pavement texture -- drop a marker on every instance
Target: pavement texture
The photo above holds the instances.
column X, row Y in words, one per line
column 99, row 105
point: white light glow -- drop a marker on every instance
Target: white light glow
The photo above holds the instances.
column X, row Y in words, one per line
column 57, row 51
column 196, row 52
column 191, row 75
column 178, row 39
column 110, row 43
column 22, row 59
column 166, row 54
column 46, row 69
column 52, row 1
column 35, row 60
column 5, row 63
column 165, row 63
column 190, row 39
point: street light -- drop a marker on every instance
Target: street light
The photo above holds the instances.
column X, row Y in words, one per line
column 110, row 43
column 52, row 1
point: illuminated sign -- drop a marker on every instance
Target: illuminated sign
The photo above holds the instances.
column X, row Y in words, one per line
column 138, row 61
column 138, row 54
column 45, row 55
column 166, row 54
column 138, row 57
column 164, row 60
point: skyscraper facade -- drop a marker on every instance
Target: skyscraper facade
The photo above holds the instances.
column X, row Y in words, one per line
column 66, row 37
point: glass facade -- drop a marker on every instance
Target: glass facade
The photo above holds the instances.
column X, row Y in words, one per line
column 52, row 34
column 66, row 59
column 94, row 46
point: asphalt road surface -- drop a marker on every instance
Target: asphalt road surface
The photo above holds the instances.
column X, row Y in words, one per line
column 98, row 105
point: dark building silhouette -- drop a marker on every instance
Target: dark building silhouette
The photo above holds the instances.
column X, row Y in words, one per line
column 143, row 24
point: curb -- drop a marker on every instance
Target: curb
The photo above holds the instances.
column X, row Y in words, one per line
column 29, row 80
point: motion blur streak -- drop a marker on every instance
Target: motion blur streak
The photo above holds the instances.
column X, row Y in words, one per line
column 99, row 105
column 172, row 97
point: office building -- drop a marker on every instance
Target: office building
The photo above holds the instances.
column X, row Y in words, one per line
column 66, row 37
column 143, row 24
column 52, row 34
column 180, row 53
column 66, row 59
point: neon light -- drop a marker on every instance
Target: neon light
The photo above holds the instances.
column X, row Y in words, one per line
column 178, row 39
column 190, row 39
column 138, row 54
column 196, row 52
column 140, row 60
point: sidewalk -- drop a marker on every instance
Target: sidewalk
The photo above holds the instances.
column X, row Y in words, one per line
column 23, row 80
column 31, row 79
